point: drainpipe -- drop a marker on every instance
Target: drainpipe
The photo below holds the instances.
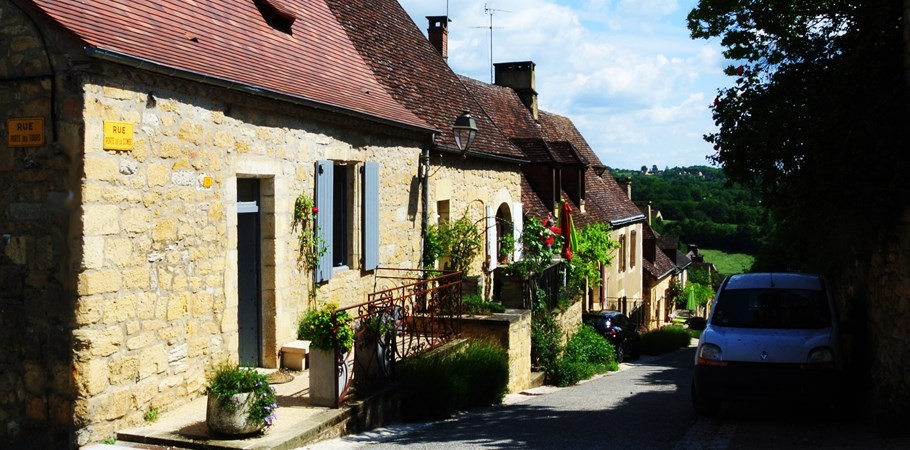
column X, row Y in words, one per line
column 425, row 198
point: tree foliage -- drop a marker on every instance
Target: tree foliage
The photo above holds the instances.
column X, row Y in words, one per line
column 700, row 205
column 814, row 119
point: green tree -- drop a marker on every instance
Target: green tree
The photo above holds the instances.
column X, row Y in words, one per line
column 814, row 121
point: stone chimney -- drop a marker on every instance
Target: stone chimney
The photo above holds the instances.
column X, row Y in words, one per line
column 520, row 77
column 629, row 188
column 438, row 34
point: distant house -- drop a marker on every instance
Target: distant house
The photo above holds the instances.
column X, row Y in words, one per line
column 561, row 166
column 660, row 272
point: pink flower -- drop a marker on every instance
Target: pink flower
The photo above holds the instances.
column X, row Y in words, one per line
column 315, row 210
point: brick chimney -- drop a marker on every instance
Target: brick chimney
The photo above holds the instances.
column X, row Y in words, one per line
column 520, row 77
column 438, row 34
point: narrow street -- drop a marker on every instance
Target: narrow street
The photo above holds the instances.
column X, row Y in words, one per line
column 644, row 406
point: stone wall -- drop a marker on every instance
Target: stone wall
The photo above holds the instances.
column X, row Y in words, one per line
column 569, row 321
column 36, row 185
column 119, row 267
column 873, row 300
column 158, row 277
column 512, row 330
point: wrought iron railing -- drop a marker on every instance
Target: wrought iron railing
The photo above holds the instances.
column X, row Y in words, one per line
column 421, row 311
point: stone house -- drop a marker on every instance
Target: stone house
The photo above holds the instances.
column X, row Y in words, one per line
column 151, row 156
column 660, row 272
column 562, row 166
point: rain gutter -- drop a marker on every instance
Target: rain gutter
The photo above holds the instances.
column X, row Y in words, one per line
column 151, row 66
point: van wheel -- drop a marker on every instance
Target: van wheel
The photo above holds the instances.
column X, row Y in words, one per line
column 621, row 352
column 704, row 406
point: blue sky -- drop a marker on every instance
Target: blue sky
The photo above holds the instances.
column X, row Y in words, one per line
column 625, row 71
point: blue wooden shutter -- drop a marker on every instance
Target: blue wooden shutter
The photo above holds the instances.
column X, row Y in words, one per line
column 324, row 219
column 370, row 215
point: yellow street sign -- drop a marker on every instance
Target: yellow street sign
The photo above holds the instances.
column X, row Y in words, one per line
column 25, row 132
column 118, row 135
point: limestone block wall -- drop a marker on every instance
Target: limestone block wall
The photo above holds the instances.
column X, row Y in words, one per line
column 36, row 188
column 512, row 330
column 473, row 187
column 157, row 282
column 569, row 321
column 873, row 298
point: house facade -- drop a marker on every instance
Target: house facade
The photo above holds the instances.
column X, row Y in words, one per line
column 148, row 176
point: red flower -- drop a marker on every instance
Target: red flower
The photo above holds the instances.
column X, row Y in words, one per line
column 315, row 210
column 740, row 70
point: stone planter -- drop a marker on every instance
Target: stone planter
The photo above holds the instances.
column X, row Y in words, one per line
column 231, row 421
column 324, row 372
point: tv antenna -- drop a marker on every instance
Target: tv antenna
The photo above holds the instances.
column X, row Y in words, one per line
column 489, row 10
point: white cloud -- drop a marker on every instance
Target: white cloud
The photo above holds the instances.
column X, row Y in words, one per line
column 625, row 71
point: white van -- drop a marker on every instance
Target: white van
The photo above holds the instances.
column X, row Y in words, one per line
column 769, row 335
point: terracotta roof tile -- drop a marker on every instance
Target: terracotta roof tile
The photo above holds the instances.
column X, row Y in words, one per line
column 414, row 73
column 231, row 41
column 557, row 128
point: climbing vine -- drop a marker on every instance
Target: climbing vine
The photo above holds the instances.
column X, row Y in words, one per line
column 310, row 247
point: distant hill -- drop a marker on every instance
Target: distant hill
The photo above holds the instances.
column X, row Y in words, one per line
column 699, row 205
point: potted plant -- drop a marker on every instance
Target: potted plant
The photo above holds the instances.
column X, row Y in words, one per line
column 331, row 336
column 459, row 242
column 506, row 246
column 240, row 400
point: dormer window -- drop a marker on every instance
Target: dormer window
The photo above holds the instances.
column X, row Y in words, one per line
column 276, row 14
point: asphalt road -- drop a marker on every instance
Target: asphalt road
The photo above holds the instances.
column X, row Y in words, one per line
column 644, row 406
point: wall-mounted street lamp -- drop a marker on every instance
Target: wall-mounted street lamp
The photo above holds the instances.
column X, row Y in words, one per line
column 465, row 129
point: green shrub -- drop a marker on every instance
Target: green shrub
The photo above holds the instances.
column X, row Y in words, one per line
column 485, row 367
column 665, row 340
column 545, row 341
column 437, row 384
column 151, row 415
column 326, row 328
column 587, row 353
column 475, row 304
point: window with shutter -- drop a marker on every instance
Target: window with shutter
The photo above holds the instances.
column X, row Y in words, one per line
column 370, row 215
column 325, row 179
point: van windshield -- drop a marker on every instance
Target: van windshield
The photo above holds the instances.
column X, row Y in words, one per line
column 772, row 308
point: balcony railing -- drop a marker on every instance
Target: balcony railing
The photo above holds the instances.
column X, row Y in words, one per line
column 421, row 311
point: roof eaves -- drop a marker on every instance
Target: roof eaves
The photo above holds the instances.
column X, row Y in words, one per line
column 151, row 66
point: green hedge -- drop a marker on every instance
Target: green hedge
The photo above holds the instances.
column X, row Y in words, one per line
column 587, row 353
column 665, row 340
column 437, row 384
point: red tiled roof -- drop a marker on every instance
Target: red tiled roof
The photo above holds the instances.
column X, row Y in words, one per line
column 558, row 128
column 565, row 153
column 231, row 41
column 504, row 106
column 532, row 204
column 414, row 73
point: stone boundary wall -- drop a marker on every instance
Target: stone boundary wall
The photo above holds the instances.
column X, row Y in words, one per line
column 512, row 330
column 37, row 186
column 874, row 299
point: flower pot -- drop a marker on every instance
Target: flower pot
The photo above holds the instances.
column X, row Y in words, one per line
column 324, row 374
column 229, row 420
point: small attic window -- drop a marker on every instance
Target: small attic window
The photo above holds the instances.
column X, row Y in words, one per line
column 276, row 14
